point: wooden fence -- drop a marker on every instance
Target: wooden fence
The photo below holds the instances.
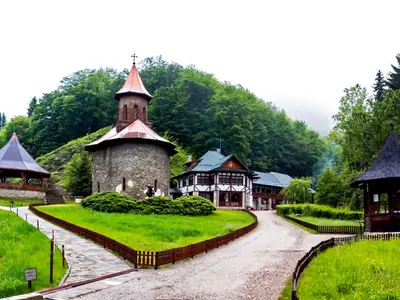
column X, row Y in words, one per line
column 344, row 229
column 148, row 258
column 306, row 259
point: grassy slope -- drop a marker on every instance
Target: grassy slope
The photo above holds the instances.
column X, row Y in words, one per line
column 330, row 222
column 363, row 270
column 22, row 246
column 18, row 202
column 152, row 232
column 58, row 158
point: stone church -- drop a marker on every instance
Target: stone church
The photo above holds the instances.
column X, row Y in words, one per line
column 131, row 156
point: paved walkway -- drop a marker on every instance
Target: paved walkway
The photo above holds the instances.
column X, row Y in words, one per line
column 254, row 266
column 85, row 259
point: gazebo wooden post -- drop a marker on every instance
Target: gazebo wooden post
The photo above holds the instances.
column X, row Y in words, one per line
column 23, row 180
column 42, row 183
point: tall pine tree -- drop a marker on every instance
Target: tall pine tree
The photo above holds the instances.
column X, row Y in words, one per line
column 393, row 81
column 379, row 86
column 3, row 120
column 32, row 106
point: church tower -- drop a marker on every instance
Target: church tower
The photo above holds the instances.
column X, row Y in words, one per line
column 131, row 156
column 133, row 100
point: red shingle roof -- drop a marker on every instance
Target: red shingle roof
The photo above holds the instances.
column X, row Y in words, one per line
column 133, row 85
column 136, row 131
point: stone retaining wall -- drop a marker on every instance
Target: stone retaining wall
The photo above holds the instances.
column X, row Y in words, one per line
column 21, row 194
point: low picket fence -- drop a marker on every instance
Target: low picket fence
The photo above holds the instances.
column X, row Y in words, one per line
column 329, row 229
column 148, row 259
column 332, row 242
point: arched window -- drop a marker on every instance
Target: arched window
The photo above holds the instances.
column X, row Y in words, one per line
column 123, row 184
column 125, row 112
column 98, row 187
column 144, row 115
column 135, row 112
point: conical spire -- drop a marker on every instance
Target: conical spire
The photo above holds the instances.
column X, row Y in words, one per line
column 14, row 157
column 387, row 164
column 133, row 85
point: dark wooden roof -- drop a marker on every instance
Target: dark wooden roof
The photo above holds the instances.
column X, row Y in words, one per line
column 388, row 163
column 14, row 157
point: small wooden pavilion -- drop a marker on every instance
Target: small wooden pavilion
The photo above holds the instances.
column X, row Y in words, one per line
column 381, row 184
column 15, row 162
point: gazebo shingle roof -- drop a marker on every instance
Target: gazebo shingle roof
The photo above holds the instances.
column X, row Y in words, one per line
column 388, row 163
column 14, row 157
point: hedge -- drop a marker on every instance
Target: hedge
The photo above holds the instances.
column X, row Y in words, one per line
column 112, row 202
column 319, row 211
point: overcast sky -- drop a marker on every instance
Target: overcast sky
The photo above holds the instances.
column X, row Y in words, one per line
column 299, row 55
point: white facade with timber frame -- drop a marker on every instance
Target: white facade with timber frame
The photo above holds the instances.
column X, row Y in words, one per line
column 224, row 180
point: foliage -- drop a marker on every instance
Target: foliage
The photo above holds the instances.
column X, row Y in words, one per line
column 298, row 190
column 58, row 158
column 177, row 161
column 201, row 113
column 379, row 86
column 21, row 125
column 3, row 120
column 113, row 202
column 32, row 106
column 331, row 189
column 109, row 202
column 18, row 202
column 77, row 176
column 22, row 247
column 361, row 270
column 81, row 104
column 327, row 222
column 152, row 232
column 318, row 211
column 393, row 81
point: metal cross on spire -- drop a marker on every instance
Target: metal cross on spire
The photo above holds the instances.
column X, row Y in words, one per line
column 134, row 56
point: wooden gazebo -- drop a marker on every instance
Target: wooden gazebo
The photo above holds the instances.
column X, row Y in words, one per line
column 381, row 184
column 15, row 162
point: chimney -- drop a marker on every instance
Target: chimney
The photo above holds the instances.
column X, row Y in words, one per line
column 189, row 159
column 218, row 150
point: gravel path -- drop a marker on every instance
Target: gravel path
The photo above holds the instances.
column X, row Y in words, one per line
column 85, row 259
column 252, row 267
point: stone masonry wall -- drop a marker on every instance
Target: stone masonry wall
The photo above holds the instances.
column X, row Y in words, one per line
column 21, row 194
column 139, row 163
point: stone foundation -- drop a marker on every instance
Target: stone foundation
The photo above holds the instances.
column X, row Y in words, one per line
column 21, row 194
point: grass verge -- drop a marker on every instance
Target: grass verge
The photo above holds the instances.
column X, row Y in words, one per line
column 18, row 202
column 23, row 246
column 298, row 225
column 287, row 290
column 152, row 232
column 362, row 270
column 326, row 222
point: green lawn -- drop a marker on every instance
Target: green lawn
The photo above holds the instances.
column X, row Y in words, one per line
column 23, row 246
column 152, row 232
column 362, row 270
column 327, row 222
column 18, row 202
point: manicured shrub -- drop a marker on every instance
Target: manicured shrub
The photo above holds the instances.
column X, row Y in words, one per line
column 110, row 202
column 195, row 205
column 318, row 211
column 113, row 202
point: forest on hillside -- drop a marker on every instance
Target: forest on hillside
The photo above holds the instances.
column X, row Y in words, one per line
column 190, row 106
column 362, row 124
